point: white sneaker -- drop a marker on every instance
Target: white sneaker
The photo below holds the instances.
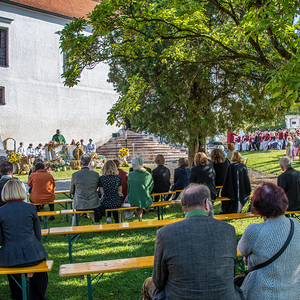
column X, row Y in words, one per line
column 108, row 221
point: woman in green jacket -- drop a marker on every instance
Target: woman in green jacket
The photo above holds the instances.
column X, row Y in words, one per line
column 140, row 185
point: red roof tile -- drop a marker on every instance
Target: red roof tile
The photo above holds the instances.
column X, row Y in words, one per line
column 72, row 8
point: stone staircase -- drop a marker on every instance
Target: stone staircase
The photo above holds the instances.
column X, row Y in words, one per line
column 140, row 145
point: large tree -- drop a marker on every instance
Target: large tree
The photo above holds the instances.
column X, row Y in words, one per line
column 184, row 103
column 185, row 69
column 260, row 34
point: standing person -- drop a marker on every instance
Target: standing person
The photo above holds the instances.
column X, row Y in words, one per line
column 289, row 147
column 289, row 181
column 181, row 177
column 194, row 258
column 236, row 186
column 110, row 184
column 42, row 186
column 260, row 242
column 296, row 147
column 140, row 185
column 30, row 154
column 281, row 139
column 20, row 235
column 231, row 136
column 84, row 187
column 220, row 164
column 58, row 138
column 90, row 147
column 124, row 178
column 204, row 173
column 161, row 177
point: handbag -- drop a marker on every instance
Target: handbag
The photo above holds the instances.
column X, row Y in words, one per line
column 238, row 280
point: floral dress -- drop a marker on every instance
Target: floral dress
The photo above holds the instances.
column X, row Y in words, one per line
column 110, row 185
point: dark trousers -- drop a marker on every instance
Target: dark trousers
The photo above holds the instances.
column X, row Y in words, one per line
column 51, row 206
column 115, row 214
column 37, row 287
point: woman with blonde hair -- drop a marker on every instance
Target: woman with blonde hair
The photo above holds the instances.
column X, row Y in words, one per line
column 20, row 235
column 110, row 184
column 204, row 173
column 236, row 185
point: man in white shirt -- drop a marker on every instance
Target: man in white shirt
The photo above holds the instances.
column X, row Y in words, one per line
column 39, row 151
column 30, row 154
column 90, row 148
column 21, row 150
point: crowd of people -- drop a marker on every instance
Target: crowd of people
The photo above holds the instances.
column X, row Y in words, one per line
column 30, row 153
column 189, row 263
column 266, row 140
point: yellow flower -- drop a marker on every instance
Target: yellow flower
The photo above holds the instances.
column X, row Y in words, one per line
column 120, row 155
column 123, row 149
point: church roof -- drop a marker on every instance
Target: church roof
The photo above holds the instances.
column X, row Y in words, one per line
column 69, row 8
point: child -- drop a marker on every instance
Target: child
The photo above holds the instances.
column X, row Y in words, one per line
column 289, row 147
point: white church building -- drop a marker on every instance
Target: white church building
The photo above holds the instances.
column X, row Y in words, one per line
column 33, row 99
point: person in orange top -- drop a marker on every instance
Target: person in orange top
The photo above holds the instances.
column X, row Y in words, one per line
column 43, row 187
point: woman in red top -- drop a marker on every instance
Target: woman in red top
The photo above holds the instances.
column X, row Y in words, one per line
column 124, row 177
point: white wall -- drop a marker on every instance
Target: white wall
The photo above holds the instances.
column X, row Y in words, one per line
column 37, row 102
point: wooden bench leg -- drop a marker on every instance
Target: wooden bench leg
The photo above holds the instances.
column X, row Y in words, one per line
column 70, row 239
column 89, row 284
column 24, row 285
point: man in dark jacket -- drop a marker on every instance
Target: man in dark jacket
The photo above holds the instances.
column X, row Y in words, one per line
column 289, row 181
column 194, row 258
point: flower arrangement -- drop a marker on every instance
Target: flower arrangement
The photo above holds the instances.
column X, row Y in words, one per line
column 123, row 152
column 94, row 156
column 14, row 158
column 52, row 144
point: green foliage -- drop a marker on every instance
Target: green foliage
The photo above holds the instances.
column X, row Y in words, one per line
column 262, row 36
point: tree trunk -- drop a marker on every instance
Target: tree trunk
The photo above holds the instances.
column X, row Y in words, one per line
column 192, row 150
column 198, row 145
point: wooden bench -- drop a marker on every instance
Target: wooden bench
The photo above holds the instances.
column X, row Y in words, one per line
column 77, row 230
column 45, row 266
column 160, row 213
column 45, row 214
column 107, row 266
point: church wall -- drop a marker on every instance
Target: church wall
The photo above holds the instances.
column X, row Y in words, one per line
column 37, row 102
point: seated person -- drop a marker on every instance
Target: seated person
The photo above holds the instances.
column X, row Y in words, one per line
column 220, row 164
column 39, row 152
column 20, row 237
column 203, row 173
column 90, row 147
column 124, row 177
column 181, row 178
column 30, row 154
column 192, row 258
column 140, row 185
column 84, row 187
column 110, row 184
column 231, row 149
column 42, row 186
column 261, row 241
column 161, row 177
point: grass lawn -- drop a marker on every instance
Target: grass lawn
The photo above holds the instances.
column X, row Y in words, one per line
column 121, row 244
column 267, row 161
column 105, row 246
